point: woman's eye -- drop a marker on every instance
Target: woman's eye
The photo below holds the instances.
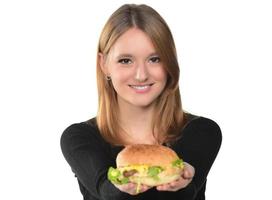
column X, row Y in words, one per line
column 124, row 61
column 155, row 59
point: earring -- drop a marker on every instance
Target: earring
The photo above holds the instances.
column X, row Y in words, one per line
column 108, row 78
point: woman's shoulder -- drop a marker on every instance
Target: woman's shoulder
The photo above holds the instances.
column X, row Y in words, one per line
column 83, row 129
column 203, row 126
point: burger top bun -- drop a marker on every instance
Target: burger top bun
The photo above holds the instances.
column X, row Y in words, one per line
column 153, row 155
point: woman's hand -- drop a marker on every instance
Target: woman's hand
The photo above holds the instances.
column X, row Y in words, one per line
column 182, row 182
column 131, row 188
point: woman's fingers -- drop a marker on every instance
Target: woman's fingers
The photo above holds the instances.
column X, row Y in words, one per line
column 185, row 178
column 144, row 188
column 175, row 185
column 128, row 188
column 131, row 188
column 189, row 171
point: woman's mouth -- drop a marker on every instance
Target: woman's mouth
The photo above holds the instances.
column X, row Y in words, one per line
column 141, row 88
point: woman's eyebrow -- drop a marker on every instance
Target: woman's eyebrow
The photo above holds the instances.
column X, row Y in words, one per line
column 153, row 54
column 125, row 55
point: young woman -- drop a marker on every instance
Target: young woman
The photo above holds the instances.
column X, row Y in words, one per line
column 139, row 103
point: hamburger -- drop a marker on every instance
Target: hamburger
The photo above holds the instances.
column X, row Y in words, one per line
column 150, row 165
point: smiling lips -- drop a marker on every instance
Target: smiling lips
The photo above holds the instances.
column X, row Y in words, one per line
column 141, row 88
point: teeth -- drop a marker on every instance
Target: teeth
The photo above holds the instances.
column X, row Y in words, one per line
column 140, row 87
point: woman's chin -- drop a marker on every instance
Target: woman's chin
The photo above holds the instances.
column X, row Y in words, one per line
column 142, row 104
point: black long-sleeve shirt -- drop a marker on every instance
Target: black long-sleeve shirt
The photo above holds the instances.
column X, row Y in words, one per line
column 90, row 156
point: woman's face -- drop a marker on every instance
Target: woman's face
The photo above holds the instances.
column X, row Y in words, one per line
column 135, row 68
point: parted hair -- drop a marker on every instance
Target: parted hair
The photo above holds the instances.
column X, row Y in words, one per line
column 169, row 117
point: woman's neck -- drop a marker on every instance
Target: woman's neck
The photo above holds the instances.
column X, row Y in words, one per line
column 137, row 123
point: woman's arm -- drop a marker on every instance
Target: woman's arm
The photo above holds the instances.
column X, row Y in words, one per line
column 89, row 159
column 199, row 147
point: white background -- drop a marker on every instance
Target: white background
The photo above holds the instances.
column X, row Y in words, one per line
column 47, row 82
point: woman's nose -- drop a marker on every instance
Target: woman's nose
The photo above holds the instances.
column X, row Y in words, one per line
column 141, row 74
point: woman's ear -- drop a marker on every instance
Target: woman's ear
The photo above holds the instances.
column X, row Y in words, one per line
column 102, row 63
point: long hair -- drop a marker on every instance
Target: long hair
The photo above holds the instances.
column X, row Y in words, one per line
column 169, row 116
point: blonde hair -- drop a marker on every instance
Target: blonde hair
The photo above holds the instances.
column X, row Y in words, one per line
column 169, row 116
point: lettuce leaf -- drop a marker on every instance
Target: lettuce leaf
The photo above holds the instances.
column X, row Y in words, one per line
column 154, row 171
column 178, row 163
column 115, row 176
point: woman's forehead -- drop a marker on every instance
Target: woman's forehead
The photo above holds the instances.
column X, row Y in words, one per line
column 133, row 42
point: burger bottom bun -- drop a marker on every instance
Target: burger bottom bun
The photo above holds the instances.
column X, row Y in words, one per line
column 154, row 182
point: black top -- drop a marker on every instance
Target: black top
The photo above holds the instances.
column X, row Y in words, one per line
column 90, row 156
